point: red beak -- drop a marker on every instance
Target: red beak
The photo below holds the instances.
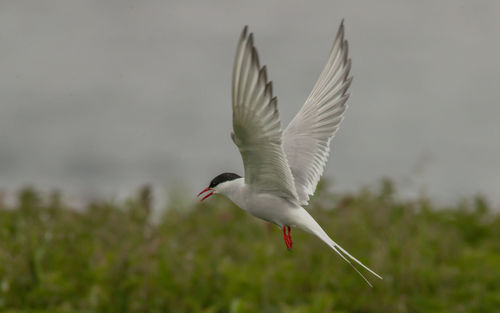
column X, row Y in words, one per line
column 208, row 194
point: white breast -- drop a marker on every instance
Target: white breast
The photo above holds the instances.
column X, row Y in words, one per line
column 266, row 206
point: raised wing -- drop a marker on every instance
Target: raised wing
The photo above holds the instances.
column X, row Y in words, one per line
column 256, row 124
column 306, row 140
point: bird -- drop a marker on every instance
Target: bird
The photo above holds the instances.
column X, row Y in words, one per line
column 282, row 167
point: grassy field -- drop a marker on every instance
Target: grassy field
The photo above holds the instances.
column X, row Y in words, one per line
column 212, row 257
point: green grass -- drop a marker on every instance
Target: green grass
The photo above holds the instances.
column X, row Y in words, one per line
column 212, row 257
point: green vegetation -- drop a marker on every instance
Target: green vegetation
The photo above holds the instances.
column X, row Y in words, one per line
column 212, row 257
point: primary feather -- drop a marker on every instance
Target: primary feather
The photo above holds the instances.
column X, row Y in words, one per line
column 256, row 124
column 307, row 138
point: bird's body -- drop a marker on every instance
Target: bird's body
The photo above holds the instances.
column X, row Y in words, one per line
column 280, row 211
column 266, row 206
column 282, row 168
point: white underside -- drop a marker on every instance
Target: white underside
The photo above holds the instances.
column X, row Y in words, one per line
column 282, row 212
column 266, row 206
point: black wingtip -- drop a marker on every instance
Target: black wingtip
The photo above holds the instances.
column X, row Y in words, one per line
column 274, row 102
column 269, row 88
column 263, row 72
column 250, row 40
column 244, row 33
column 346, row 51
column 341, row 28
column 255, row 57
column 340, row 33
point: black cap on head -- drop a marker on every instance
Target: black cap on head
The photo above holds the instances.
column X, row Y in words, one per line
column 223, row 178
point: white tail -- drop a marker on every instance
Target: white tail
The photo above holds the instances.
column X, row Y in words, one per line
column 310, row 225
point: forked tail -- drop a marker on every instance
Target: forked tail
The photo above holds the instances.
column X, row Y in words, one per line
column 336, row 248
column 313, row 227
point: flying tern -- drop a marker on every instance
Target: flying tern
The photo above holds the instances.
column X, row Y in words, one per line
column 282, row 168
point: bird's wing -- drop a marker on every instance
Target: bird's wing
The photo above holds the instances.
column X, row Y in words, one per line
column 306, row 140
column 256, row 124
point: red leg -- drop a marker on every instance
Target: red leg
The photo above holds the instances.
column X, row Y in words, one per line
column 286, row 238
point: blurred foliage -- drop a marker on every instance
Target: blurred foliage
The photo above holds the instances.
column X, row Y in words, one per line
column 212, row 257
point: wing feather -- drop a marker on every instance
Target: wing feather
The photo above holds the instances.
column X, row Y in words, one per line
column 307, row 138
column 256, row 124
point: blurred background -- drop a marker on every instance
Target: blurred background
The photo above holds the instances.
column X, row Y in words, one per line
column 112, row 109
column 98, row 97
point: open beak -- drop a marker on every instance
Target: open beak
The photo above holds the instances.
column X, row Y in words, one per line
column 208, row 194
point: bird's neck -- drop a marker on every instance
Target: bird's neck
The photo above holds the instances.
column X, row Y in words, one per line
column 234, row 190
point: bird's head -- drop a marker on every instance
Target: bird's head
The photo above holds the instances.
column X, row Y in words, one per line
column 217, row 184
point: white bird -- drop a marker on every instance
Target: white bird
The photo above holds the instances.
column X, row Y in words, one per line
column 282, row 169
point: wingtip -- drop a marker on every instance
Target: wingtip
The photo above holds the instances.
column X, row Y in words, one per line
column 243, row 35
column 347, row 83
column 263, row 72
column 250, row 41
column 269, row 88
column 274, row 104
column 345, row 44
column 255, row 57
column 340, row 34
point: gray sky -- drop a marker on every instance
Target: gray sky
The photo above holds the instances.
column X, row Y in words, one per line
column 102, row 96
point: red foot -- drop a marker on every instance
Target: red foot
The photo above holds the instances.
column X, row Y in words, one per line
column 287, row 237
